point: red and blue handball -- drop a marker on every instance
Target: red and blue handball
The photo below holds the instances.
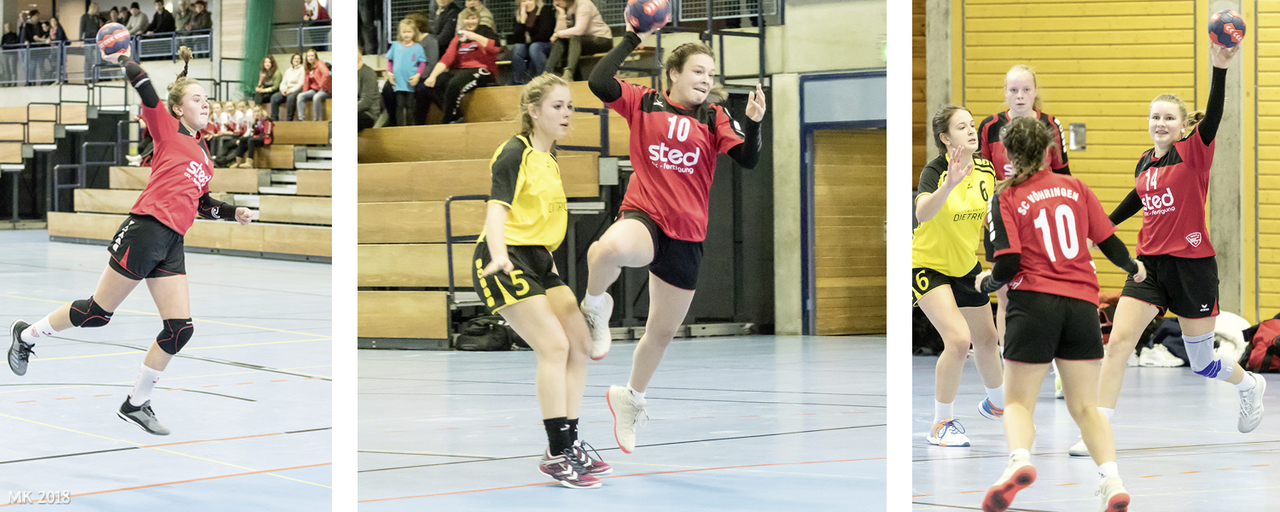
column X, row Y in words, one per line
column 1226, row 28
column 645, row 15
column 113, row 39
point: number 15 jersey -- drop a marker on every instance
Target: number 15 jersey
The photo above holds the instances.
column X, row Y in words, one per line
column 1048, row 220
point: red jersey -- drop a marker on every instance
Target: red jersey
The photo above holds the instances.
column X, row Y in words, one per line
column 1047, row 220
column 471, row 55
column 1173, row 189
column 180, row 171
column 673, row 151
column 318, row 78
column 991, row 144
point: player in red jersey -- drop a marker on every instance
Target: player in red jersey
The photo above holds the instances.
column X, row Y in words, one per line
column 675, row 138
column 149, row 243
column 1040, row 225
column 1024, row 101
column 1171, row 185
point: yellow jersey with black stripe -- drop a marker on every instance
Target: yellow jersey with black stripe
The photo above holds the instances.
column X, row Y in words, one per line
column 528, row 182
column 949, row 241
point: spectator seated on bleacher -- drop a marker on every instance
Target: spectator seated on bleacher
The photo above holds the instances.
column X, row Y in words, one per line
column 138, row 20
column 446, row 24
column 369, row 107
column 290, row 88
column 312, row 11
column 259, row 134
column 423, row 96
column 530, row 39
column 486, row 17
column 470, row 62
column 226, row 129
column 269, row 78
column 580, row 29
column 202, row 19
column 316, row 87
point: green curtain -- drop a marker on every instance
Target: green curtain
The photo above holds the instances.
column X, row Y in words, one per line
column 259, row 16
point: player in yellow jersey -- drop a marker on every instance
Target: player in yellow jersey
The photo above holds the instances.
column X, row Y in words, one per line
column 516, row 275
column 951, row 208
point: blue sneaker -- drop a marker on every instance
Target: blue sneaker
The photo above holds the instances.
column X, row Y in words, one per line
column 989, row 411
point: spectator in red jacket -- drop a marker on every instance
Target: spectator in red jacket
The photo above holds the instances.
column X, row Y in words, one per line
column 316, row 86
column 470, row 62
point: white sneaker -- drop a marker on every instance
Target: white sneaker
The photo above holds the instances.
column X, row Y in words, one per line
column 626, row 416
column 1057, row 386
column 1114, row 497
column 1133, row 360
column 598, row 321
column 1078, row 449
column 1251, row 404
column 1017, row 476
column 948, row 433
column 1159, row 357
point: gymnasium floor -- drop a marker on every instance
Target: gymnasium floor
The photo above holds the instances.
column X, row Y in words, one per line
column 247, row 400
column 1176, row 445
column 748, row 423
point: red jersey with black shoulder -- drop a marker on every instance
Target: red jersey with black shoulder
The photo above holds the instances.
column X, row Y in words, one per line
column 673, row 151
column 1173, row 189
column 180, row 171
column 991, row 143
column 1048, row 220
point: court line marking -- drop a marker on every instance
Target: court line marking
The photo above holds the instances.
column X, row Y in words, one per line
column 961, row 507
column 524, row 383
column 140, row 445
column 158, row 314
column 625, row 476
column 265, row 471
column 185, row 349
column 1055, row 453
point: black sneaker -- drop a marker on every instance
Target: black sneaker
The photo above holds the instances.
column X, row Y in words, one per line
column 143, row 417
column 19, row 351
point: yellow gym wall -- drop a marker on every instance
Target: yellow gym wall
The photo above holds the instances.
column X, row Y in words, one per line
column 1104, row 71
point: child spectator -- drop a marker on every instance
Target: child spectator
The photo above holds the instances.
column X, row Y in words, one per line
column 406, row 62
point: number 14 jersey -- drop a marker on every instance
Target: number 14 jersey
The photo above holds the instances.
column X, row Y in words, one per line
column 1048, row 220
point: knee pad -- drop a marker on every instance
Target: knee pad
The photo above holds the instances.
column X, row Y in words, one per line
column 1204, row 362
column 175, row 335
column 87, row 313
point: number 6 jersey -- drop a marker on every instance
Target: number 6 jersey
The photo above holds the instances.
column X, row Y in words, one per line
column 1048, row 220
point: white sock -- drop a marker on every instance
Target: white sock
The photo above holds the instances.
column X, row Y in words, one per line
column 1247, row 383
column 996, row 395
column 1020, row 453
column 592, row 301
column 41, row 329
column 147, row 379
column 638, row 396
column 1108, row 469
column 941, row 412
column 1107, row 412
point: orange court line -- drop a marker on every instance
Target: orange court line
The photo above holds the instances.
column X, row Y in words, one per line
column 921, row 495
column 1259, row 465
column 624, row 476
column 189, row 481
column 100, row 396
column 1225, row 469
column 66, row 398
column 971, row 492
column 1150, row 476
column 27, row 401
column 703, row 418
column 212, row 440
column 1064, row 485
column 1189, row 472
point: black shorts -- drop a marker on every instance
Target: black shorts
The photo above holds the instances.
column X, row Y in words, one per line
column 1186, row 286
column 1041, row 327
column 532, row 276
column 674, row 261
column 145, row 248
column 925, row 280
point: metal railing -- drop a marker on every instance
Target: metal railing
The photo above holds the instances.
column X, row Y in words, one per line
column 80, row 61
column 298, row 37
column 603, row 148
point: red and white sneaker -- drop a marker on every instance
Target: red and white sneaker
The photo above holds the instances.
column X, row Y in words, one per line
column 1018, row 476
column 594, row 466
column 1114, row 497
column 567, row 469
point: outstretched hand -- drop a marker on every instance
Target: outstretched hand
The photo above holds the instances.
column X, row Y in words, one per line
column 1220, row 56
column 118, row 59
column 755, row 104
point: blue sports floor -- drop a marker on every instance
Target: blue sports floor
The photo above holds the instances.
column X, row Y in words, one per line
column 747, row 423
column 247, row 399
column 1177, row 447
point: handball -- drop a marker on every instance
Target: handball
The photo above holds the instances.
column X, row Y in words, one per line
column 1226, row 28
column 113, row 39
column 645, row 15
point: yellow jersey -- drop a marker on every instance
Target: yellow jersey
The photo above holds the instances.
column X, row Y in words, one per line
column 528, row 182
column 949, row 241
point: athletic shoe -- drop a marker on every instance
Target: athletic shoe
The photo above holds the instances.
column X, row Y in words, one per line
column 1057, row 386
column 1016, row 477
column 567, row 469
column 989, row 411
column 1078, row 449
column 1159, row 357
column 1114, row 497
column 626, row 416
column 1133, row 360
column 19, row 351
column 143, row 417
column 594, row 466
column 1250, row 403
column 949, row 433
column 598, row 321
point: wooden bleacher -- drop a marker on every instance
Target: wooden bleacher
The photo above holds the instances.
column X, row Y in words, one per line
column 405, row 175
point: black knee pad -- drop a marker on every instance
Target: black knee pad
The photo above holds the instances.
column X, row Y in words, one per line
column 87, row 313
column 175, row 335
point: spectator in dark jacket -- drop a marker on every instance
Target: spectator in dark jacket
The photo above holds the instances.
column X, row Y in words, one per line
column 9, row 63
column 370, row 105
column 162, row 22
column 90, row 22
column 182, row 15
column 202, row 20
column 530, row 39
column 446, row 24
